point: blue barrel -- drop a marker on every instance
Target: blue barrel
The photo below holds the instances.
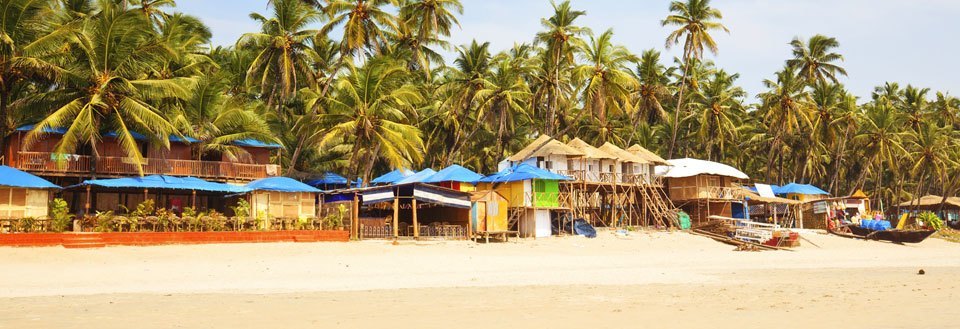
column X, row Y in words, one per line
column 885, row 225
column 867, row 224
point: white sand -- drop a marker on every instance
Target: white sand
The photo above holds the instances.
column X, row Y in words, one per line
column 680, row 279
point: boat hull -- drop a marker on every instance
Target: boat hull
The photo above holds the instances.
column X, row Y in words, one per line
column 896, row 236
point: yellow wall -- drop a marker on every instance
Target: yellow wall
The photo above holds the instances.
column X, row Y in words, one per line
column 283, row 205
column 513, row 191
column 16, row 203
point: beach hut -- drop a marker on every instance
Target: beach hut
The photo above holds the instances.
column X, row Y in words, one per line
column 594, row 166
column 488, row 213
column 391, row 177
column 531, row 193
column 455, row 177
column 631, row 168
column 282, row 197
column 948, row 210
column 704, row 188
column 545, row 153
column 23, row 195
column 653, row 160
column 171, row 192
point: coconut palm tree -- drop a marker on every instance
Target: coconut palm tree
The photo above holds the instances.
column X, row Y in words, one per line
column 719, row 105
column 654, row 79
column 815, row 60
column 785, row 109
column 432, row 18
column 559, row 37
column 606, row 76
column 501, row 105
column 282, row 63
column 105, row 90
column 915, row 105
column 363, row 23
column 25, row 43
column 471, row 76
column 370, row 110
column 880, row 141
column 694, row 19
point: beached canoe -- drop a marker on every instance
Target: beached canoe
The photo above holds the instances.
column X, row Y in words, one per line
column 896, row 236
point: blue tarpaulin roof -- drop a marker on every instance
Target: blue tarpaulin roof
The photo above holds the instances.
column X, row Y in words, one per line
column 794, row 188
column 454, row 173
column 16, row 178
column 255, row 143
column 522, row 172
column 417, row 178
column 329, row 179
column 136, row 135
column 280, row 184
column 165, row 182
column 392, row 177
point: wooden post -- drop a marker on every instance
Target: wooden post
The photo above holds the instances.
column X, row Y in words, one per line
column 86, row 206
column 396, row 215
column 144, row 195
column 416, row 224
column 354, row 217
column 193, row 199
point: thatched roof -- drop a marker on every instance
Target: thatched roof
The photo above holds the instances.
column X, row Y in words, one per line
column 931, row 200
column 589, row 151
column 552, row 147
column 646, row 154
column 757, row 198
column 622, row 154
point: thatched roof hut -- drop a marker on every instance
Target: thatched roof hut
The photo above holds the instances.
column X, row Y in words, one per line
column 622, row 154
column 646, row 154
column 589, row 151
column 932, row 200
column 550, row 147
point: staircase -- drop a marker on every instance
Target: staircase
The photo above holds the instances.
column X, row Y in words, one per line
column 82, row 241
column 656, row 204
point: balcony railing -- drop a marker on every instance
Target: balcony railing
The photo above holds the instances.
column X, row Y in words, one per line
column 706, row 192
column 81, row 165
column 608, row 177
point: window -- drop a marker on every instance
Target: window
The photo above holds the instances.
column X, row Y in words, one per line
column 548, row 165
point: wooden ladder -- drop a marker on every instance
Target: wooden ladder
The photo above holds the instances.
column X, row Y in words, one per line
column 656, row 204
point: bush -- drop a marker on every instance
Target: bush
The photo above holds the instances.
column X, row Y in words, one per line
column 104, row 221
column 61, row 218
column 26, row 225
column 335, row 220
column 931, row 220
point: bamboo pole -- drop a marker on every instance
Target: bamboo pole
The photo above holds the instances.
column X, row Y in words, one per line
column 193, row 199
column 416, row 224
column 354, row 220
column 396, row 215
column 86, row 206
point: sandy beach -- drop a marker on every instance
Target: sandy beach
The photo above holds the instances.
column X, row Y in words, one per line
column 664, row 280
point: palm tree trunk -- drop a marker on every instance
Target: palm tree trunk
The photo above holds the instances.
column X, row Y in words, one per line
column 296, row 154
column 4, row 97
column 676, row 115
column 370, row 162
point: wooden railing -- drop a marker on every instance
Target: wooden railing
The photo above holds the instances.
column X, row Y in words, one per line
column 81, row 165
column 608, row 177
column 706, row 192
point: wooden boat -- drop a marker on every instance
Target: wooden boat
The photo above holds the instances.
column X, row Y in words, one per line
column 895, row 236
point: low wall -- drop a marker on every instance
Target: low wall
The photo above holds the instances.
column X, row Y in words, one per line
column 166, row 238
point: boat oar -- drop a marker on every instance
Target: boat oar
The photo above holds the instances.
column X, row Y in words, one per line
column 808, row 241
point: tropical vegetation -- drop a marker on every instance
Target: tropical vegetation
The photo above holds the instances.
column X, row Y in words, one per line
column 361, row 87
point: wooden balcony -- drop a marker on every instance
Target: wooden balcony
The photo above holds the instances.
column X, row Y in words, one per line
column 681, row 193
column 44, row 163
column 592, row 177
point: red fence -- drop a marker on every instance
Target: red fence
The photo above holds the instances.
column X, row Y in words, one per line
column 165, row 238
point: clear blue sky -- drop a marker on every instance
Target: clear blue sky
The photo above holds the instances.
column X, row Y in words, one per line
column 883, row 40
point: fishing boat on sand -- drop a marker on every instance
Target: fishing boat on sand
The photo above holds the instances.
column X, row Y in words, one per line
column 880, row 231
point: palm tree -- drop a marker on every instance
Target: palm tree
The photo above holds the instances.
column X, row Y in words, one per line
column 24, row 43
column 559, row 38
column 606, row 76
column 501, row 105
column 654, row 79
column 816, row 60
column 432, row 18
column 473, row 69
column 370, row 111
column 363, row 23
column 880, row 141
column 105, row 90
column 695, row 20
column 282, row 64
column 720, row 104
column 914, row 104
column 929, row 149
column 785, row 109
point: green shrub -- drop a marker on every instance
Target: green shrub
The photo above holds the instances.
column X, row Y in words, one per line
column 61, row 218
column 335, row 220
column 930, row 220
column 104, row 221
column 26, row 225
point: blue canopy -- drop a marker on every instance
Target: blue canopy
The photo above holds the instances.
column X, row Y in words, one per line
column 454, row 173
column 16, row 178
column 113, row 134
column 392, row 177
column 280, row 184
column 522, row 172
column 249, row 142
column 805, row 189
column 165, row 182
column 417, row 178
column 329, row 178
